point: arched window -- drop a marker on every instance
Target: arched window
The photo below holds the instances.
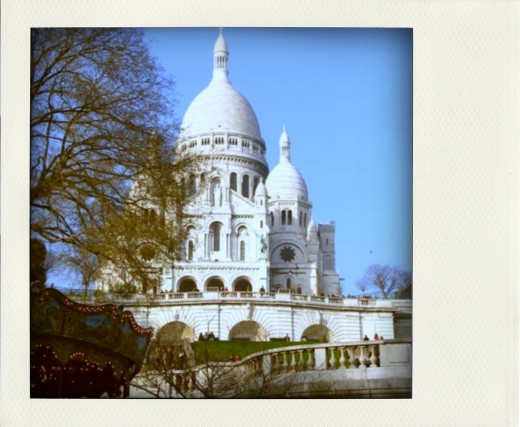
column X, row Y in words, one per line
column 289, row 217
column 261, row 224
column 256, row 181
column 272, row 219
column 242, row 251
column 182, row 185
column 233, row 181
column 245, row 186
column 215, row 236
column 283, row 217
column 288, row 283
column 301, row 219
column 149, row 217
column 191, row 248
column 193, row 185
column 305, row 220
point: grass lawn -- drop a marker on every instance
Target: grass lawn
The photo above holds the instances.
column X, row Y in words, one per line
column 221, row 351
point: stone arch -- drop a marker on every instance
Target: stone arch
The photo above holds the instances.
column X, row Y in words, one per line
column 187, row 284
column 242, row 229
column 191, row 230
column 174, row 333
column 213, row 283
column 317, row 333
column 242, row 284
column 248, row 330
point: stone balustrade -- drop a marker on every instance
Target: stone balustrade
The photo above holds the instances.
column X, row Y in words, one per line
column 322, row 356
column 179, row 297
column 382, row 368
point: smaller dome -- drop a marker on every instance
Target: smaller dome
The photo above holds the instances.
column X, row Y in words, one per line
column 285, row 181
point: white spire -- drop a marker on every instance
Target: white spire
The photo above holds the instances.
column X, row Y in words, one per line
column 285, row 146
column 220, row 57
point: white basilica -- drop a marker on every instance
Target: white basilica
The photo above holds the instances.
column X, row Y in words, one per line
column 249, row 232
column 248, row 229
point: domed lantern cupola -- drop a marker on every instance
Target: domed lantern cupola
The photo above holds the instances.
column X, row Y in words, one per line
column 285, row 146
column 220, row 57
column 285, row 181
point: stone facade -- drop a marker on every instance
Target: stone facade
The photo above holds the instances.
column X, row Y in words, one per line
column 248, row 229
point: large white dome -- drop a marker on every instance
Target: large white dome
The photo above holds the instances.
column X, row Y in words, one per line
column 220, row 108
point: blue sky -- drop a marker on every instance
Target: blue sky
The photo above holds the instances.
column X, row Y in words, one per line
column 346, row 98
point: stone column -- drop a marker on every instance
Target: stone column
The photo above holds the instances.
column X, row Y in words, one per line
column 320, row 358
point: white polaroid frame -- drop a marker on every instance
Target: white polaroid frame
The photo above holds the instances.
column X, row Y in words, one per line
column 466, row 107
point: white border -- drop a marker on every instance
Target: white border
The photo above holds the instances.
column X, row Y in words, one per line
column 466, row 212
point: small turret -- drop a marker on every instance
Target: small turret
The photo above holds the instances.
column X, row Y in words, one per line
column 261, row 194
column 285, row 146
column 312, row 230
column 220, row 57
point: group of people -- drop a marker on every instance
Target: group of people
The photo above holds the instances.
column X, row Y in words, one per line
column 376, row 338
column 208, row 336
column 332, row 295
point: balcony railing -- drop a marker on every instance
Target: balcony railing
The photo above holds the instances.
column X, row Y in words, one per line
column 349, row 362
column 178, row 297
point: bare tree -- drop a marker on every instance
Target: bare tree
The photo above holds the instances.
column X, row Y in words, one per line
column 165, row 374
column 84, row 263
column 383, row 278
column 363, row 284
column 100, row 110
column 404, row 290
